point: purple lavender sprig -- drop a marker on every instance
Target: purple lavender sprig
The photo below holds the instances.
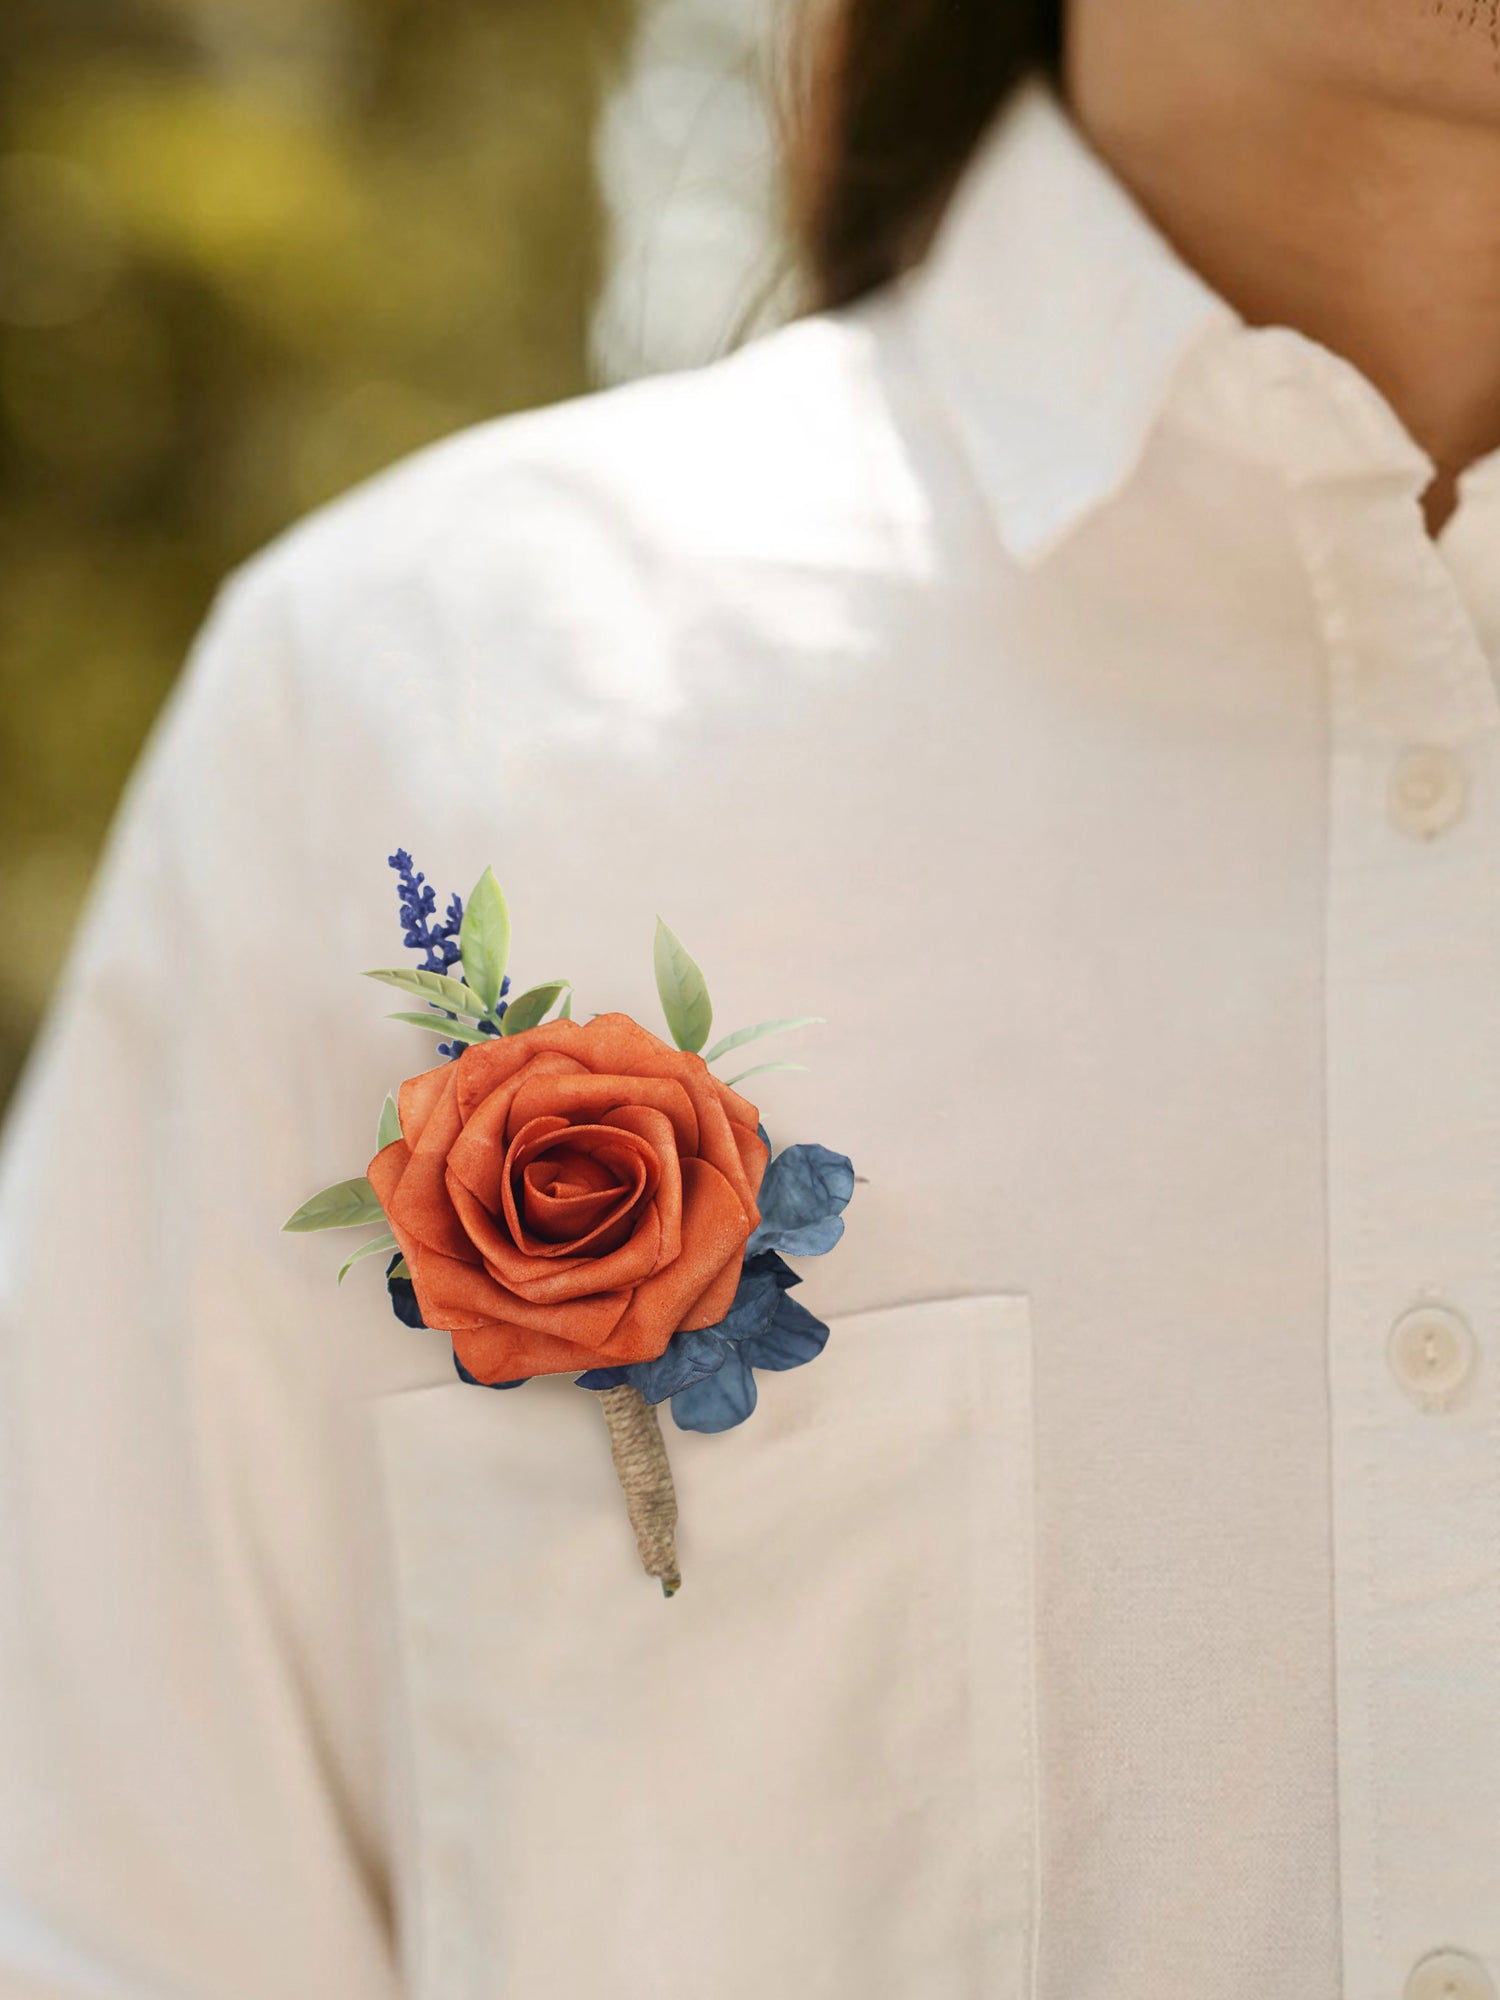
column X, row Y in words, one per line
column 438, row 941
column 418, row 898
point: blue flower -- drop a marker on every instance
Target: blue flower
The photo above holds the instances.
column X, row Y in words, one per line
column 720, row 1401
column 801, row 1200
column 438, row 941
column 788, row 1336
column 692, row 1356
column 708, row 1374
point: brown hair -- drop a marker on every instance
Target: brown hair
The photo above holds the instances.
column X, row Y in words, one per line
column 893, row 96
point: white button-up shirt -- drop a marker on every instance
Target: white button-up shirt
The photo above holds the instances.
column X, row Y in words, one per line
column 1049, row 680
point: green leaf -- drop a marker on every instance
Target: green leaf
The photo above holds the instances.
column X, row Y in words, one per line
column 389, row 1129
column 345, row 1205
column 484, row 938
column 760, row 1070
column 455, row 1031
column 759, row 1031
column 683, row 990
column 400, row 1270
column 385, row 1241
column 433, row 986
column 565, row 1012
column 528, row 1009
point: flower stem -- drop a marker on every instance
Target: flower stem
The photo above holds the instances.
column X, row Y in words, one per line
column 640, row 1456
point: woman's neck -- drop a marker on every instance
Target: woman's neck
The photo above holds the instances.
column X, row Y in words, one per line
column 1370, row 224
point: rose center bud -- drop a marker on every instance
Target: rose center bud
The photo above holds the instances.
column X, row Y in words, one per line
column 576, row 1189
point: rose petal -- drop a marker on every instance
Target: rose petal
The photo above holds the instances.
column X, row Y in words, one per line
column 506, row 1265
column 587, row 1100
column 385, row 1170
column 564, row 1195
column 499, row 1352
column 614, row 1045
column 713, row 1304
column 618, row 1039
column 458, row 1297
column 416, row 1098
column 485, row 1066
column 628, row 1157
column 755, row 1155
column 419, row 1203
column 716, row 1141
column 659, row 1134
column 557, row 1280
column 714, row 1230
column 384, row 1175
column 478, row 1155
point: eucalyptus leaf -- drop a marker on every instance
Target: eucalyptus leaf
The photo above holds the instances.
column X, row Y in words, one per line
column 683, row 990
column 760, row 1031
column 434, row 986
column 454, row 1031
column 760, row 1070
column 399, row 1270
column 528, row 1009
column 376, row 1244
column 389, row 1129
column 345, row 1205
column 484, row 938
column 565, row 1012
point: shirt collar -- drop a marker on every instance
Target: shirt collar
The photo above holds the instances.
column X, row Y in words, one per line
column 1051, row 316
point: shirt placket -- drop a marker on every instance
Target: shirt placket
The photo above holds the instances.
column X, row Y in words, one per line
column 1412, row 1000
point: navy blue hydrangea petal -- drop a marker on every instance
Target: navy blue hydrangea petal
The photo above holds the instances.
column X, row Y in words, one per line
column 793, row 1337
column 688, row 1357
column 814, row 1240
column 404, row 1298
column 800, row 1200
column 754, row 1301
column 599, row 1378
column 777, row 1266
column 465, row 1376
column 719, row 1401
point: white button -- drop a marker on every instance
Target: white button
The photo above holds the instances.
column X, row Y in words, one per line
column 1431, row 1351
column 1449, row 1975
column 1428, row 790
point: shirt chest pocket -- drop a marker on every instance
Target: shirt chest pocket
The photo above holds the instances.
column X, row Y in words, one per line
column 810, row 1773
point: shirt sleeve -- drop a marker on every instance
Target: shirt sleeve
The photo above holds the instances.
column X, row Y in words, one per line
column 192, row 1789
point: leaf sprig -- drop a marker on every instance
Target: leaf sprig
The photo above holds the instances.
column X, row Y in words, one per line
column 684, row 1000
column 484, row 940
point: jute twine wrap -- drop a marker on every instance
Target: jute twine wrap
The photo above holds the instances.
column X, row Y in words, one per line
column 640, row 1455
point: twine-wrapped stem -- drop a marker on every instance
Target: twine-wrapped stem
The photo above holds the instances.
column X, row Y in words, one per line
column 645, row 1475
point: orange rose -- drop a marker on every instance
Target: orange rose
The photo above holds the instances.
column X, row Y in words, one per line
column 569, row 1197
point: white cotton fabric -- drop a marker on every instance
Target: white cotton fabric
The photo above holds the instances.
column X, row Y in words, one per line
column 1021, row 670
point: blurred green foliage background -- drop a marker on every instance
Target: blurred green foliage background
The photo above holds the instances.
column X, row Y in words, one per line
column 250, row 251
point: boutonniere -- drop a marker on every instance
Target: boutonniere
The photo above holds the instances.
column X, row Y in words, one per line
column 564, row 1197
